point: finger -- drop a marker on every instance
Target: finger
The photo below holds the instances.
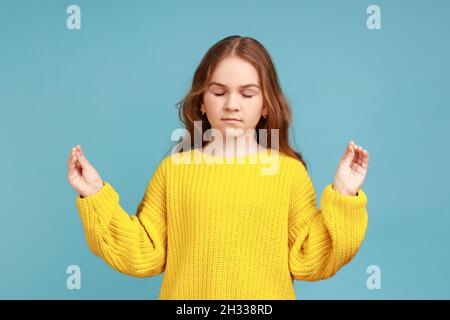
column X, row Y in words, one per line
column 70, row 159
column 364, row 155
column 80, row 150
column 82, row 159
column 355, row 155
column 354, row 166
column 355, row 158
column 71, row 164
column 355, row 147
column 360, row 157
column 73, row 167
column 346, row 151
column 358, row 168
column 71, row 153
column 365, row 162
column 349, row 154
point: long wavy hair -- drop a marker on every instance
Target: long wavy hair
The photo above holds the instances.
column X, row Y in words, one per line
column 279, row 114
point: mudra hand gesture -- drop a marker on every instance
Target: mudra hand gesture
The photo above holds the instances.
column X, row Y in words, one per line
column 352, row 170
column 81, row 174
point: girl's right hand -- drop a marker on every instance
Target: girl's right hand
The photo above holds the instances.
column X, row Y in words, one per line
column 81, row 174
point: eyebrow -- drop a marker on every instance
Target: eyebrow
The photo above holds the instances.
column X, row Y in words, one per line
column 243, row 86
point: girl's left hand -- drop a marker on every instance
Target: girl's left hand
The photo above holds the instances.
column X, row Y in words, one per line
column 352, row 170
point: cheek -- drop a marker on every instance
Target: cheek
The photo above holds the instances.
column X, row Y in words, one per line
column 254, row 107
column 211, row 100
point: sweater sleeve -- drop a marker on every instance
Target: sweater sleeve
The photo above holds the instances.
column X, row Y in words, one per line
column 134, row 245
column 321, row 241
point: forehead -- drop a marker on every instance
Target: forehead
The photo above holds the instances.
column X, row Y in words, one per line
column 235, row 72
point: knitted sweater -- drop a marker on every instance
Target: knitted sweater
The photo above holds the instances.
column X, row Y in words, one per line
column 227, row 230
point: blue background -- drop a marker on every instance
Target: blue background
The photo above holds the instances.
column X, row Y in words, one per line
column 112, row 87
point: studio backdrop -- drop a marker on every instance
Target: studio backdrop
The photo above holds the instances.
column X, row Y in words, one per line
column 107, row 75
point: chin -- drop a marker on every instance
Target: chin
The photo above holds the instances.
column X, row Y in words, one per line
column 234, row 132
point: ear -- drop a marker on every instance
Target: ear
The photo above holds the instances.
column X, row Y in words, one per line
column 202, row 108
column 264, row 111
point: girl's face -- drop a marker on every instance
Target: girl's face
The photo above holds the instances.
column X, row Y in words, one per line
column 233, row 92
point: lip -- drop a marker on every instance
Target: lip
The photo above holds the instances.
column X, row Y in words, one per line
column 231, row 119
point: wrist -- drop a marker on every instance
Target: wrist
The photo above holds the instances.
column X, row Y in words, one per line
column 343, row 191
column 94, row 191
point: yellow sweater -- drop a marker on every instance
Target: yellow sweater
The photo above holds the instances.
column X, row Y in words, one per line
column 227, row 230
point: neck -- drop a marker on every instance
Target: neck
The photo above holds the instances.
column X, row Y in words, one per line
column 234, row 146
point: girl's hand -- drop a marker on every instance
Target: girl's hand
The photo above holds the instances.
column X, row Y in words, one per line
column 81, row 174
column 352, row 170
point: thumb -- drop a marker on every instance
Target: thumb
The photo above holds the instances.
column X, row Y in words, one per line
column 82, row 159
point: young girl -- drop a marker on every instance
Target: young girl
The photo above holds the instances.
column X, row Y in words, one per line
column 222, row 229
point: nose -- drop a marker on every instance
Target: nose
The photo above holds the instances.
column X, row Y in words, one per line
column 232, row 104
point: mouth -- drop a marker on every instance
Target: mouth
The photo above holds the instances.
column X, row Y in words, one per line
column 231, row 120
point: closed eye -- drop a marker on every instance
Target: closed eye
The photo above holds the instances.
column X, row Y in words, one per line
column 221, row 94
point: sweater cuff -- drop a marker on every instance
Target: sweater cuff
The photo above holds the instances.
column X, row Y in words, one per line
column 101, row 204
column 343, row 203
